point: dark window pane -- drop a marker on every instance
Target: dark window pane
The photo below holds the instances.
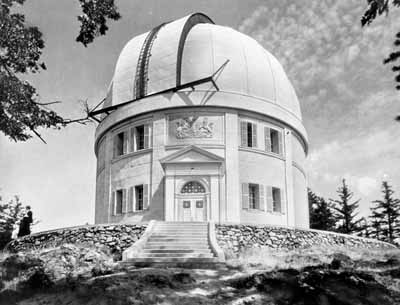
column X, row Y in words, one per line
column 274, row 141
column 118, row 208
column 139, row 197
column 139, row 137
column 119, row 143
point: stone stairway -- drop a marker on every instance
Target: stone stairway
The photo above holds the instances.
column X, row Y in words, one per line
column 177, row 244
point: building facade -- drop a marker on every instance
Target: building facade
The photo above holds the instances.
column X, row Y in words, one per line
column 200, row 123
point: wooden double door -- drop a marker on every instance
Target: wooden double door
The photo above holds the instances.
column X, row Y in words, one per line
column 192, row 208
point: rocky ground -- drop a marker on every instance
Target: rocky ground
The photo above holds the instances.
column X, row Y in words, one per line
column 72, row 274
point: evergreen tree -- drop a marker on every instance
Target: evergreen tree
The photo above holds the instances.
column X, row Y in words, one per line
column 387, row 213
column 346, row 211
column 375, row 228
column 321, row 215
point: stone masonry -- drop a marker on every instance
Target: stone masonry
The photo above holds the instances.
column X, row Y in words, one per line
column 231, row 238
column 234, row 238
column 116, row 237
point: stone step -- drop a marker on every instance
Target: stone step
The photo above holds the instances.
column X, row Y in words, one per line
column 198, row 263
column 181, row 234
column 182, row 246
column 182, row 226
column 176, row 245
column 177, row 250
column 200, row 230
column 178, row 238
column 175, row 255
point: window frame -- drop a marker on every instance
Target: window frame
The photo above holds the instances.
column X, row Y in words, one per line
column 255, row 205
column 251, row 133
column 276, row 200
column 119, row 201
column 130, row 144
column 139, row 201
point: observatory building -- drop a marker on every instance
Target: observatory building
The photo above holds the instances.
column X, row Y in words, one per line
column 200, row 123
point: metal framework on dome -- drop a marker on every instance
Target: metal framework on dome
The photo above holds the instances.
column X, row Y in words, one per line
column 107, row 110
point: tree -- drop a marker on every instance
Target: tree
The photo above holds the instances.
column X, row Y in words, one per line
column 376, row 8
column 345, row 210
column 375, row 228
column 386, row 213
column 10, row 214
column 321, row 215
column 21, row 112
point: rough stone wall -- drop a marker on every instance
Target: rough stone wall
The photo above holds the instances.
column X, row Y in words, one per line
column 234, row 238
column 117, row 237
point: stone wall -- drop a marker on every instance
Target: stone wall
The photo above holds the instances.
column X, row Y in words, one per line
column 234, row 238
column 117, row 237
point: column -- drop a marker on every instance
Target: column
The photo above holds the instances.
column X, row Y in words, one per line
column 157, row 172
column 214, row 198
column 290, row 208
column 232, row 190
column 169, row 200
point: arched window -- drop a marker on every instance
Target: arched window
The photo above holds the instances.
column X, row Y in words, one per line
column 193, row 187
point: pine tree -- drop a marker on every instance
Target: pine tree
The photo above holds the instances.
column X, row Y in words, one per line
column 321, row 215
column 375, row 228
column 346, row 210
column 387, row 213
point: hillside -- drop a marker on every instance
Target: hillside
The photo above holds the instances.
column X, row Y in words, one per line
column 72, row 274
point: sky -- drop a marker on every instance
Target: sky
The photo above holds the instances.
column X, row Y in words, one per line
column 347, row 95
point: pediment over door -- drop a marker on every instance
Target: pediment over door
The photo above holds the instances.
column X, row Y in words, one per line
column 192, row 154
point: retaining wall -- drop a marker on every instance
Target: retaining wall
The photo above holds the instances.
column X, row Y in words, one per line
column 234, row 238
column 117, row 237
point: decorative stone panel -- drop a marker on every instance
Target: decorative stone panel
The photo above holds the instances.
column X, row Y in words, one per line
column 116, row 237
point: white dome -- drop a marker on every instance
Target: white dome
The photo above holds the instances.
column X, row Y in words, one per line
column 192, row 48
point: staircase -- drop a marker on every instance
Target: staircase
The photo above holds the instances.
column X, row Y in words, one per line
column 174, row 244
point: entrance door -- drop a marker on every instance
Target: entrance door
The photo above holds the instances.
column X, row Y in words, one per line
column 192, row 209
column 192, row 202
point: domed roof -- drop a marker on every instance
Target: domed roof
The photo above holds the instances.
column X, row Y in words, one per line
column 193, row 48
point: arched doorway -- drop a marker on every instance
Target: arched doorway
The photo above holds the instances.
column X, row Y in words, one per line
column 192, row 204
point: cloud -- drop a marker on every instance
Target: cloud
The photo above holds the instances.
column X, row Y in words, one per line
column 334, row 64
column 346, row 93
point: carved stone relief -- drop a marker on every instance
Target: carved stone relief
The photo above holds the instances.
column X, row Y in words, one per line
column 193, row 127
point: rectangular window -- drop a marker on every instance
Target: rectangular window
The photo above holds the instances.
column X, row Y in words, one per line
column 275, row 141
column 254, row 196
column 139, row 197
column 139, row 137
column 119, row 198
column 248, row 134
column 119, row 141
column 276, row 200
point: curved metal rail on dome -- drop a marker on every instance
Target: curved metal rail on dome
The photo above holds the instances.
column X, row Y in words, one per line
column 209, row 79
column 141, row 75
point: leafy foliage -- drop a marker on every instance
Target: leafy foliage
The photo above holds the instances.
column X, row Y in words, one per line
column 94, row 19
column 375, row 9
column 20, row 50
column 10, row 214
column 386, row 214
column 345, row 210
column 321, row 215
column 21, row 113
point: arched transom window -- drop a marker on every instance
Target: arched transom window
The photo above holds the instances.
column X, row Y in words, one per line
column 193, row 187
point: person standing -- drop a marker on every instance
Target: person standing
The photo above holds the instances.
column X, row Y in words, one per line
column 25, row 224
